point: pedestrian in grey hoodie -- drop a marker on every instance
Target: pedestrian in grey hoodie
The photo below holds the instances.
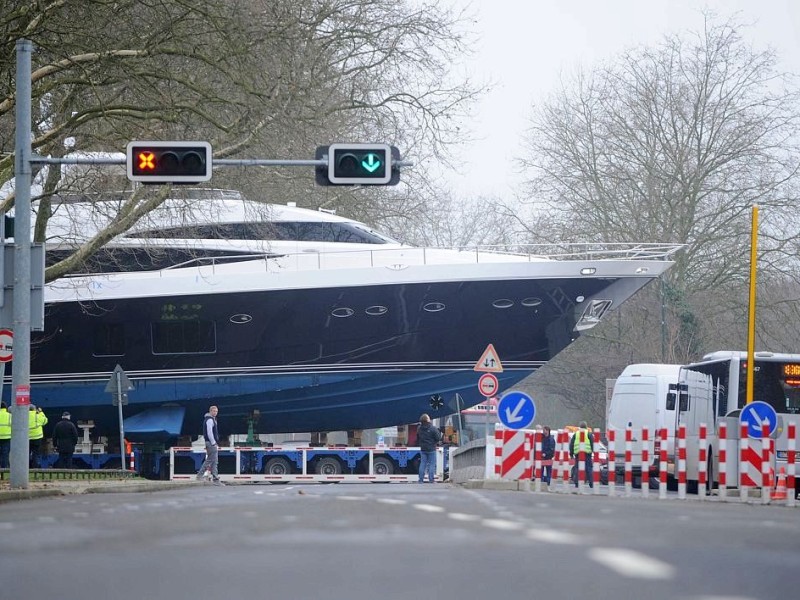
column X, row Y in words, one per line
column 211, row 436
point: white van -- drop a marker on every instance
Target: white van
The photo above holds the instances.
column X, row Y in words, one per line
column 639, row 399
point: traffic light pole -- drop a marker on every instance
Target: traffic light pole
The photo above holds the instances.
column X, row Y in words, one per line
column 20, row 381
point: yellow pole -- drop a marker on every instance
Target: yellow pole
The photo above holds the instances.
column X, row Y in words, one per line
column 751, row 313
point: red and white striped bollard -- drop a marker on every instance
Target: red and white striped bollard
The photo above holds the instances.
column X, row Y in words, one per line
column 645, row 465
column 766, row 445
column 791, row 457
column 565, row 475
column 723, row 461
column 612, row 467
column 682, row 461
column 662, row 464
column 596, row 462
column 702, row 461
column 581, row 458
column 537, row 461
column 628, row 460
column 743, row 447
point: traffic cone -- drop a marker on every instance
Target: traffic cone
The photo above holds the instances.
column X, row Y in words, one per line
column 779, row 493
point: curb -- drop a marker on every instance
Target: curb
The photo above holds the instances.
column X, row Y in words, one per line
column 110, row 488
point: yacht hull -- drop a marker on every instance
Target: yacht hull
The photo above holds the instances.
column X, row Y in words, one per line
column 307, row 359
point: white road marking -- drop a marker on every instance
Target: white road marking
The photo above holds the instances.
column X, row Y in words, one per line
column 392, row 501
column 632, row 564
column 501, row 524
column 428, row 507
column 552, row 536
column 463, row 517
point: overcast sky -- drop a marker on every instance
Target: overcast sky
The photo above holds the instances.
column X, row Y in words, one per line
column 524, row 46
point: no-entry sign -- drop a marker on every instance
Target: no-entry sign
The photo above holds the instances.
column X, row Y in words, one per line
column 6, row 344
column 487, row 385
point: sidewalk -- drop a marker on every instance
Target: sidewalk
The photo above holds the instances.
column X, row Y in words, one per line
column 43, row 489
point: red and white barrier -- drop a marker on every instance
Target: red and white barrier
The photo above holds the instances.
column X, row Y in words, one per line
column 723, row 461
column 512, row 460
column 682, row 461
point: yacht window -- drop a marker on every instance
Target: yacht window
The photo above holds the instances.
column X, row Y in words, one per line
column 116, row 260
column 433, row 307
column 184, row 337
column 503, row 303
column 109, row 340
column 301, row 231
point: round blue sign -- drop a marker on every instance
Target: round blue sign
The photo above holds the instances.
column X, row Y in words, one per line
column 516, row 410
column 756, row 414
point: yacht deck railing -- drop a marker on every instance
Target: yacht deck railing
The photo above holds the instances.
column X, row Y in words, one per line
column 472, row 254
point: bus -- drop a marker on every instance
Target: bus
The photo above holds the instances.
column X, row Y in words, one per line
column 715, row 389
column 472, row 423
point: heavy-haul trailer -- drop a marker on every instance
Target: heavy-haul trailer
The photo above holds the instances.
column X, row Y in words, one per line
column 284, row 464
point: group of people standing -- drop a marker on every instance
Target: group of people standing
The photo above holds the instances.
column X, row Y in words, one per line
column 65, row 437
column 580, row 442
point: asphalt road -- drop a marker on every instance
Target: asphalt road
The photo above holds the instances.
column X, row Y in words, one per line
column 378, row 541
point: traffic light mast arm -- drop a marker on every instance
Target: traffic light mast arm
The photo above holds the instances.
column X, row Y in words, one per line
column 264, row 162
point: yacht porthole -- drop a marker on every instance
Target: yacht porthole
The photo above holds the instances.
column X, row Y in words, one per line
column 376, row 310
column 240, row 319
column 531, row 302
column 503, row 303
column 433, row 307
column 580, row 299
column 343, row 312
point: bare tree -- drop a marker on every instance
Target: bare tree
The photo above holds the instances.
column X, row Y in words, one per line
column 267, row 77
column 675, row 143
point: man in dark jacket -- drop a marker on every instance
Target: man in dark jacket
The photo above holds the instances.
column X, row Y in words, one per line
column 427, row 438
column 548, row 452
column 65, row 437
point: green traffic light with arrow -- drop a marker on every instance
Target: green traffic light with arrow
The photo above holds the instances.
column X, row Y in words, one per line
column 371, row 162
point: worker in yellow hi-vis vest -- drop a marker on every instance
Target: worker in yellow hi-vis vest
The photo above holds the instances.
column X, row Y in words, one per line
column 582, row 442
column 36, row 422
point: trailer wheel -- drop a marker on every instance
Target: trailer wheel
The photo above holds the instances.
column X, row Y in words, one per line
column 382, row 466
column 328, row 465
column 278, row 466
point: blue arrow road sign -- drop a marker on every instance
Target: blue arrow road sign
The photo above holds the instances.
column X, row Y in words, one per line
column 516, row 410
column 757, row 413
